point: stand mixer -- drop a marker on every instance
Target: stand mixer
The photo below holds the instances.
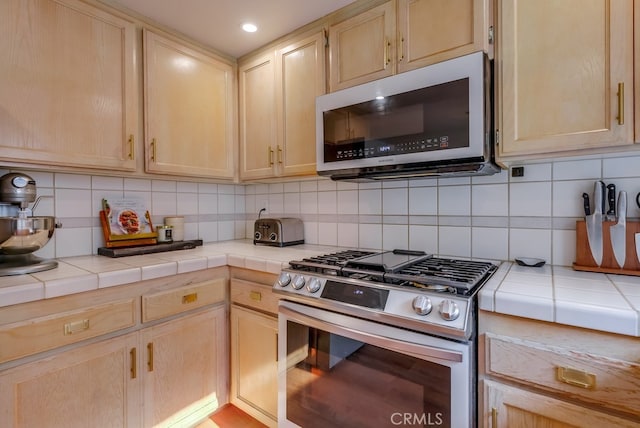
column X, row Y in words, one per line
column 21, row 233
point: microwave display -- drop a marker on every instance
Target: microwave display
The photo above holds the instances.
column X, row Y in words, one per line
column 423, row 120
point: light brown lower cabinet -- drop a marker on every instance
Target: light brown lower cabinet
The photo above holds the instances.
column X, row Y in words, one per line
column 254, row 345
column 548, row 375
column 176, row 371
column 92, row 385
column 510, row 407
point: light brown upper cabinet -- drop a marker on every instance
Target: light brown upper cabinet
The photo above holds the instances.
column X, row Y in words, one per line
column 189, row 100
column 402, row 35
column 278, row 88
column 565, row 76
column 68, row 93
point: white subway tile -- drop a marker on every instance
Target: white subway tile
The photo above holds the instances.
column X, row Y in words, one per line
column 395, row 201
column 72, row 181
column 454, row 200
column 621, row 167
column 163, row 186
column 530, row 199
column 490, row 200
column 187, row 204
column 423, row 201
column 370, row 202
column 423, row 238
column 454, row 241
column 74, row 203
column 577, row 170
column 107, row 183
column 347, row 202
column 370, row 236
column 532, row 172
column 292, row 204
column 395, row 236
column 490, row 243
column 533, row 243
column 207, row 203
column 348, row 235
column 327, row 202
column 226, row 204
column 137, row 185
column 328, row 234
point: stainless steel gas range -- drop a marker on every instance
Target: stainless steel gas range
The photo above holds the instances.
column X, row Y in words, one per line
column 378, row 339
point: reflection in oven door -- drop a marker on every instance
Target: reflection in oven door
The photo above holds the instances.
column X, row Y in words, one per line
column 339, row 371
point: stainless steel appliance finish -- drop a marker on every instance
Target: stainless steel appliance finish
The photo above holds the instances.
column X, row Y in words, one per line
column 279, row 232
column 353, row 311
column 21, row 233
column 434, row 121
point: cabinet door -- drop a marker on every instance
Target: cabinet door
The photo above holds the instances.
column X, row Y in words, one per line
column 361, row 48
column 257, row 117
column 94, row 385
column 435, row 30
column 507, row 406
column 185, row 369
column 189, row 110
column 68, row 91
column 254, row 363
column 560, row 68
column 300, row 79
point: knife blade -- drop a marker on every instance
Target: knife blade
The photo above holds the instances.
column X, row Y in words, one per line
column 611, row 199
column 594, row 224
column 619, row 231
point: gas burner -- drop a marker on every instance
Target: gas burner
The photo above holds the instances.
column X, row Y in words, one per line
column 400, row 268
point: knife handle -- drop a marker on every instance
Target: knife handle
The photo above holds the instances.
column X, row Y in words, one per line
column 603, row 196
column 587, row 206
column 611, row 198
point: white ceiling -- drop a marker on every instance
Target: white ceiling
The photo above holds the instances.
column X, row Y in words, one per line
column 217, row 23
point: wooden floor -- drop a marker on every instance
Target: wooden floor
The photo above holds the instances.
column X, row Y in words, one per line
column 231, row 417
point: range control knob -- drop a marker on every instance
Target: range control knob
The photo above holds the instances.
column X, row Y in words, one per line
column 422, row 305
column 314, row 285
column 298, row 282
column 449, row 310
column 284, row 279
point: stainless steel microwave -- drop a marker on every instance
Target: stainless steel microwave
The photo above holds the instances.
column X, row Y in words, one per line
column 433, row 121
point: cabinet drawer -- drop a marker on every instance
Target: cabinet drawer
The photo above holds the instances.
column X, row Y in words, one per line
column 605, row 381
column 41, row 334
column 254, row 295
column 165, row 303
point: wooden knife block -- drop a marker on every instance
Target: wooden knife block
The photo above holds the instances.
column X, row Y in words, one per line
column 584, row 259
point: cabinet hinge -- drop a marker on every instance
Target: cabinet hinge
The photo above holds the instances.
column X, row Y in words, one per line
column 491, row 35
column 497, row 137
column 326, row 37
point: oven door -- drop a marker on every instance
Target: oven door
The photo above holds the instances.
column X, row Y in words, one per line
column 339, row 371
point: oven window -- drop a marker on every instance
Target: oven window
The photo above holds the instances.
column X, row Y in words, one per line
column 336, row 381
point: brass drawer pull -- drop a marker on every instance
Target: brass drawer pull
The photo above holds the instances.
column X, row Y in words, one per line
column 255, row 295
column 620, row 116
column 131, row 147
column 74, row 327
column 189, row 298
column 494, row 417
column 134, row 370
column 150, row 356
column 575, row 377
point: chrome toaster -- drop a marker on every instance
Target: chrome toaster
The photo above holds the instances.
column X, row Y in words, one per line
column 278, row 232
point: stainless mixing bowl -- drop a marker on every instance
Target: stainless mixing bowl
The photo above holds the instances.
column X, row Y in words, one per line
column 24, row 235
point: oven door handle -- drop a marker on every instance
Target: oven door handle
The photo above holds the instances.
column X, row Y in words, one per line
column 406, row 347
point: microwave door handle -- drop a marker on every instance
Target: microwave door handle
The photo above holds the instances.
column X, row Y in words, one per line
column 406, row 347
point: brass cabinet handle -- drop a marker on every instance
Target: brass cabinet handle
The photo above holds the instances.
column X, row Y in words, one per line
column 74, row 327
column 150, row 356
column 255, row 295
column 134, row 370
column 153, row 149
column 576, row 377
column 620, row 116
column 189, row 298
column 279, row 154
column 401, row 54
column 276, row 347
column 131, row 147
column 494, row 417
column 387, row 52
column 270, row 154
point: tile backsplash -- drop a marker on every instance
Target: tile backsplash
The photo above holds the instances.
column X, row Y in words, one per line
column 497, row 217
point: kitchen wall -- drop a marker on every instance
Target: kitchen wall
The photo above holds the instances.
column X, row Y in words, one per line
column 497, row 217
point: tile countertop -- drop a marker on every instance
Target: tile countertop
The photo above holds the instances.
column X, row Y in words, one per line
column 558, row 294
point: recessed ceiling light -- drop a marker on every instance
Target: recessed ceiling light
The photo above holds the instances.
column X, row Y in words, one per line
column 249, row 28
column 379, row 97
